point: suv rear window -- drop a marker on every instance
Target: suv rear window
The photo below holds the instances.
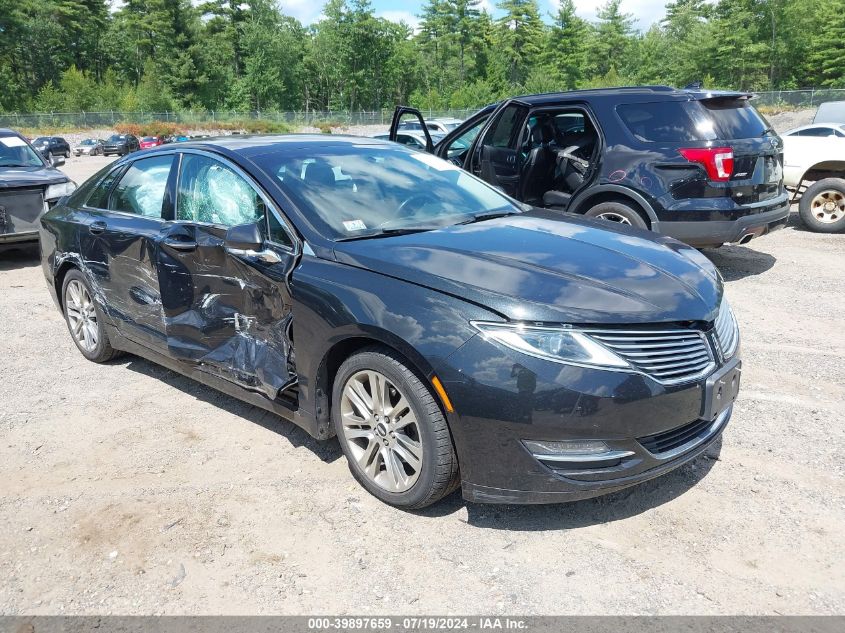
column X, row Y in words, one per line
column 660, row 122
column 682, row 121
column 734, row 118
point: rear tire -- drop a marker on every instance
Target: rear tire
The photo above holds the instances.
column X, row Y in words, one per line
column 822, row 206
column 618, row 213
column 401, row 450
column 84, row 319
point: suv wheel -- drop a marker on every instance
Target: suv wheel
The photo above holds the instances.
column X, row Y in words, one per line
column 392, row 431
column 617, row 212
column 822, row 206
column 84, row 319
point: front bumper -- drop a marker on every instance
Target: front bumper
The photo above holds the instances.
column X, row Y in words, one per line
column 715, row 232
column 503, row 398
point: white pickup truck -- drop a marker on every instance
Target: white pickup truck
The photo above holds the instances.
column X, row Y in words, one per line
column 816, row 154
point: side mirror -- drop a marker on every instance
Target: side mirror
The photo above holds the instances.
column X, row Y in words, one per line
column 245, row 237
column 57, row 161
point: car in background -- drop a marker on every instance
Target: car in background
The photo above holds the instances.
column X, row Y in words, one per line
column 411, row 138
column 701, row 166
column 449, row 336
column 830, row 112
column 148, row 142
column 29, row 186
column 121, row 144
column 89, row 147
column 814, row 169
column 51, row 146
column 442, row 126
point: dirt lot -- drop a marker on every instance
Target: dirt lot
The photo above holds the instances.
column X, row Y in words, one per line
column 129, row 489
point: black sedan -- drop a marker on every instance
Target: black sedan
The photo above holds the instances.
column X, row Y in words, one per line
column 121, row 144
column 449, row 336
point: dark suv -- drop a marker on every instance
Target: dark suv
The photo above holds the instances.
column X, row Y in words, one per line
column 121, row 144
column 51, row 146
column 704, row 167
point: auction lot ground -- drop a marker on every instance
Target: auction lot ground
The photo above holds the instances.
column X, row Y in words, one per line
column 128, row 489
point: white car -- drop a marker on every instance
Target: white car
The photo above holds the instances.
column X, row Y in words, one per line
column 817, row 153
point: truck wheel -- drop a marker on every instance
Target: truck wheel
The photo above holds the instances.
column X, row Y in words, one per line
column 617, row 212
column 822, row 206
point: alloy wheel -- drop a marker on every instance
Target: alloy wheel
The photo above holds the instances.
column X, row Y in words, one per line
column 82, row 316
column 614, row 217
column 382, row 431
column 828, row 206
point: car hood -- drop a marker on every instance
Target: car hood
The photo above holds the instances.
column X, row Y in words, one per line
column 543, row 266
column 13, row 177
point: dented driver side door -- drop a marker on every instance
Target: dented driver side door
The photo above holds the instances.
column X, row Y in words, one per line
column 227, row 310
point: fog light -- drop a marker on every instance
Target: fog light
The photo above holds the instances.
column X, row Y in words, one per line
column 573, row 450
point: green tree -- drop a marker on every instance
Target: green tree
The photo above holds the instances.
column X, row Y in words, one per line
column 519, row 37
column 565, row 52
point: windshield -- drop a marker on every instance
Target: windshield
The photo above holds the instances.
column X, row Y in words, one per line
column 14, row 152
column 40, row 140
column 88, row 141
column 116, row 138
column 358, row 191
column 148, row 139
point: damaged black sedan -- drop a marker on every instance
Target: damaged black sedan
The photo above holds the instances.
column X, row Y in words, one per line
column 448, row 335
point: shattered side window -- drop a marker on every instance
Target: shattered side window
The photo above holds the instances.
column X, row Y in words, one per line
column 212, row 193
column 141, row 190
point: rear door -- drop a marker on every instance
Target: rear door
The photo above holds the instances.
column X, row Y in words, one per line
column 227, row 310
column 124, row 218
column 494, row 157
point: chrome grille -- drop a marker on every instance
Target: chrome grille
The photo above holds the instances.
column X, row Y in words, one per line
column 668, row 356
column 727, row 333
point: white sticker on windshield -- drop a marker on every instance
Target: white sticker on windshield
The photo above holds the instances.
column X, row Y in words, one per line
column 12, row 141
column 433, row 161
column 354, row 225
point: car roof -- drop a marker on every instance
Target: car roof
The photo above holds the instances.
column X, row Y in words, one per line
column 628, row 94
column 810, row 126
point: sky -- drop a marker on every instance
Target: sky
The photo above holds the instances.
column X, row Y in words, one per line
column 645, row 12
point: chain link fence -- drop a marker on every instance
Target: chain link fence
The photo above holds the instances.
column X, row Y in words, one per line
column 799, row 99
column 786, row 99
column 188, row 118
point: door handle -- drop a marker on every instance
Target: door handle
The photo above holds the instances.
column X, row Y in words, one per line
column 97, row 227
column 180, row 244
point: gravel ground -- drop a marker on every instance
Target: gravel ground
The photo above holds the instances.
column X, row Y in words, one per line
column 128, row 489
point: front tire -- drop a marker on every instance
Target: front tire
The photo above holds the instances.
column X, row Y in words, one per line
column 391, row 429
column 822, row 206
column 84, row 319
column 618, row 213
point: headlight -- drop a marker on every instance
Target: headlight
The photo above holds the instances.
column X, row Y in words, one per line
column 560, row 345
column 727, row 330
column 58, row 191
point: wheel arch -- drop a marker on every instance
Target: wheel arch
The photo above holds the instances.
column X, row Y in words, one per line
column 68, row 264
column 349, row 345
column 615, row 193
column 824, row 169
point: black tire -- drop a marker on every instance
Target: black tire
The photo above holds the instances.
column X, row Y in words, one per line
column 622, row 212
column 103, row 351
column 812, row 206
column 67, row 154
column 438, row 475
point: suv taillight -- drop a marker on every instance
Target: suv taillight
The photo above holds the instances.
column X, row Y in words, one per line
column 718, row 161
